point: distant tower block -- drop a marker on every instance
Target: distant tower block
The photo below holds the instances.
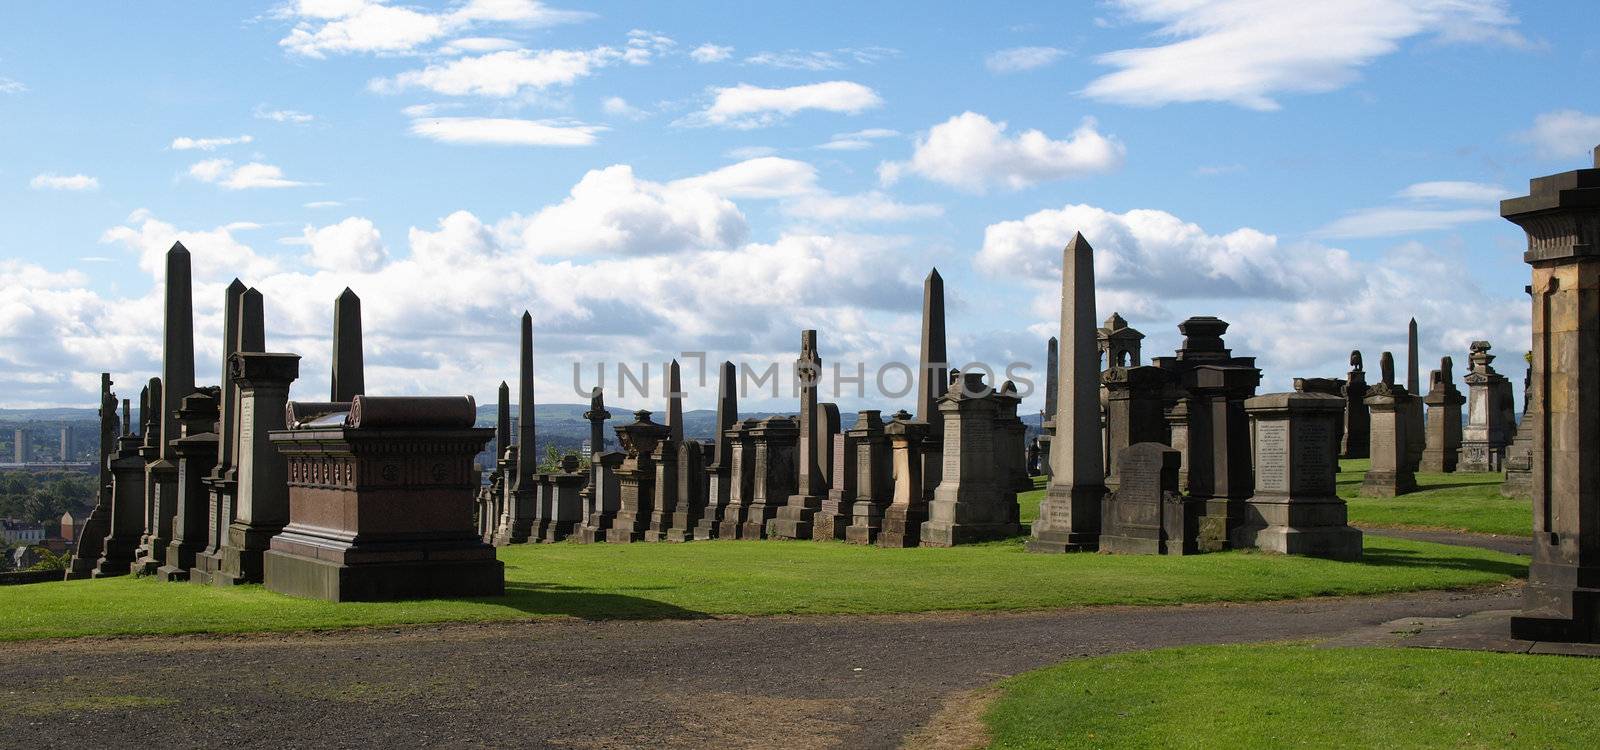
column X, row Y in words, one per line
column 66, row 444
column 20, row 446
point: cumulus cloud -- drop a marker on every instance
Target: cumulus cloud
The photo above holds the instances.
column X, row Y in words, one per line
column 501, row 131
column 710, row 53
column 214, row 252
column 971, row 152
column 249, row 176
column 185, row 143
column 1246, row 52
column 73, row 182
column 502, row 74
column 612, row 211
column 324, row 27
column 1022, row 58
column 353, row 245
column 745, row 106
column 1563, row 134
column 869, row 206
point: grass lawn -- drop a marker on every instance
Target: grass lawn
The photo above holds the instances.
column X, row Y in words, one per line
column 1457, row 502
column 760, row 578
column 1281, row 696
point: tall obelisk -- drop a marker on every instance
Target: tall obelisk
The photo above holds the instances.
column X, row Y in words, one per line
column 933, row 379
column 177, row 355
column 1069, row 517
column 518, row 524
column 349, row 379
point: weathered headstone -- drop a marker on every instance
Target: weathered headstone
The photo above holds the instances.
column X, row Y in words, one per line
column 1390, row 473
column 562, row 505
column 970, row 504
column 246, row 332
column 604, row 499
column 776, row 441
column 1146, row 514
column 1444, row 420
column 908, row 508
column 1136, row 400
column 381, row 504
column 933, row 378
column 1331, row 387
column 834, row 517
column 1490, row 413
column 636, row 479
column 690, row 504
column 794, row 518
column 262, row 503
column 1561, row 218
column 874, row 484
column 127, row 494
column 1296, row 508
column 1519, row 457
column 1011, row 441
column 1047, row 420
column 1357, row 423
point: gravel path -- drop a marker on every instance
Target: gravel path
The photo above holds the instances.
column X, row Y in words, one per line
column 792, row 682
column 1515, row 545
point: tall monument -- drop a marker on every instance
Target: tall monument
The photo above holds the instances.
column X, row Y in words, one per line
column 349, row 379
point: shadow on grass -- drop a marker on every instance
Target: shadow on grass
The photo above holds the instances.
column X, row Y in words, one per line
column 1395, row 558
column 587, row 604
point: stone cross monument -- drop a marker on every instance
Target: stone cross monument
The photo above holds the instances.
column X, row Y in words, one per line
column 794, row 518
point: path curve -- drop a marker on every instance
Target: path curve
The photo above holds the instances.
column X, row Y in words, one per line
column 1512, row 545
column 792, row 682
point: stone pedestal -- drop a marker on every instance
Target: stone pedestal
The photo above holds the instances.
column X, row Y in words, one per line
column 691, row 501
column 1490, row 413
column 874, row 478
column 1390, row 474
column 970, row 504
column 519, row 505
column 261, row 507
column 380, row 507
column 127, row 510
column 636, row 479
column 563, row 504
column 1136, row 399
column 776, row 451
column 1357, row 423
column 834, row 517
column 741, row 479
column 1519, row 461
column 196, row 452
column 1296, row 508
column 908, row 510
column 1147, row 515
column 665, row 498
column 1444, row 424
column 604, row 498
column 1561, row 216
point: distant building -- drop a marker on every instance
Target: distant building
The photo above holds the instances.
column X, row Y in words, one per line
column 20, row 532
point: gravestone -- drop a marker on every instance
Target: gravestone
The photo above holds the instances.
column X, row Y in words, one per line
column 1490, row 413
column 718, row 480
column 1416, row 421
column 1136, row 401
column 349, row 374
column 933, row 377
column 971, row 503
column 246, row 326
column 1118, row 343
column 1047, row 419
column 1296, row 508
column 604, row 496
column 908, row 507
column 196, row 452
column 1357, row 423
column 741, row 479
column 380, row 504
column 1331, row 387
column 664, row 501
column 776, row 440
column 835, row 516
column 261, row 504
column 127, row 494
column 1390, row 473
column 793, row 520
column 562, row 505
column 516, row 523
column 874, row 481
column 1011, row 437
column 1069, row 515
column 1444, row 420
column 1146, row 514
column 691, row 499
column 1560, row 216
column 636, row 479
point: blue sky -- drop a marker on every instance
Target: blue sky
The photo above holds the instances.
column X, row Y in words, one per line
column 656, row 178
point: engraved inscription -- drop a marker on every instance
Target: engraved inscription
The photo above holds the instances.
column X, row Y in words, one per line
column 1313, row 458
column 1272, row 456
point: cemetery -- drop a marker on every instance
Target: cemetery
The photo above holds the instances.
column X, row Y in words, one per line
column 1200, row 507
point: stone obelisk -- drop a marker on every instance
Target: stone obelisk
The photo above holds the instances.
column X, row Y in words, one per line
column 719, row 475
column 1069, row 516
column 933, row 379
column 348, row 379
column 502, row 420
column 518, row 522
column 674, row 403
column 1047, row 420
column 1416, row 419
column 177, row 357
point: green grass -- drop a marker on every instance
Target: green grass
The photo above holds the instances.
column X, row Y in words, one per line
column 1282, row 696
column 1456, row 502
column 760, row 578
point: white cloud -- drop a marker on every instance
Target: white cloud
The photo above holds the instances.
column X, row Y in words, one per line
column 749, row 152
column 710, row 53
column 322, row 204
column 821, row 60
column 857, row 141
column 644, row 46
column 353, row 245
column 477, row 45
column 1563, row 134
column 971, row 152
column 1454, row 190
column 502, row 74
column 1022, row 58
column 290, row 116
column 1245, row 52
column 185, row 143
column 764, row 177
column 610, row 211
column 1429, row 210
column 216, row 253
column 499, row 131
column 746, row 106
column 75, row 182
column 11, row 86
column 324, row 27
column 618, row 106
column 869, row 206
column 243, row 177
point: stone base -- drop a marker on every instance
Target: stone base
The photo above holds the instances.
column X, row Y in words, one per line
column 1478, row 458
column 936, row 534
column 705, row 530
column 519, row 532
column 682, row 528
column 170, row 573
column 1557, row 613
column 322, row 579
column 826, row 526
column 1438, row 462
column 242, row 560
column 590, row 535
column 1316, row 527
column 1056, row 542
column 794, row 519
column 551, row 532
column 755, row 521
column 1128, row 545
column 627, row 530
column 115, row 562
column 181, row 559
column 902, row 526
column 1388, row 483
column 1518, row 484
column 1069, row 520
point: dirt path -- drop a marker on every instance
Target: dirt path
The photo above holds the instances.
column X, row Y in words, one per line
column 792, row 682
column 1515, row 545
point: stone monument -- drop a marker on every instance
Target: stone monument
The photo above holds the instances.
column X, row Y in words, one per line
column 1444, row 420
column 1390, row 473
column 1357, row 422
column 794, row 518
column 774, row 467
column 1296, row 508
column 636, row 479
column 908, row 509
column 1146, row 514
column 970, row 504
column 1490, row 413
column 874, row 485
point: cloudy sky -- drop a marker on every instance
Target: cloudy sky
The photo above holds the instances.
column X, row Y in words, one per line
column 650, row 179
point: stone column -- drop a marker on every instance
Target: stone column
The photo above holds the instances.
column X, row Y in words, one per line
column 244, row 331
column 349, row 376
column 968, row 505
column 794, row 518
column 196, row 452
column 1488, row 431
column 1135, row 409
column 874, row 482
column 1444, row 420
column 933, row 378
column 908, row 508
column 1296, row 508
column 664, row 501
column 691, row 495
column 831, row 522
column 1069, row 516
column 601, row 504
column 718, row 479
column 597, row 416
column 262, row 505
column 1390, row 474
column 1011, row 437
column 636, row 479
column 1047, row 420
column 127, row 505
column 776, row 442
column 827, row 428
column 1416, row 421
column 1357, row 423
column 1561, row 216
column 741, row 478
column 516, row 525
column 1219, row 445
